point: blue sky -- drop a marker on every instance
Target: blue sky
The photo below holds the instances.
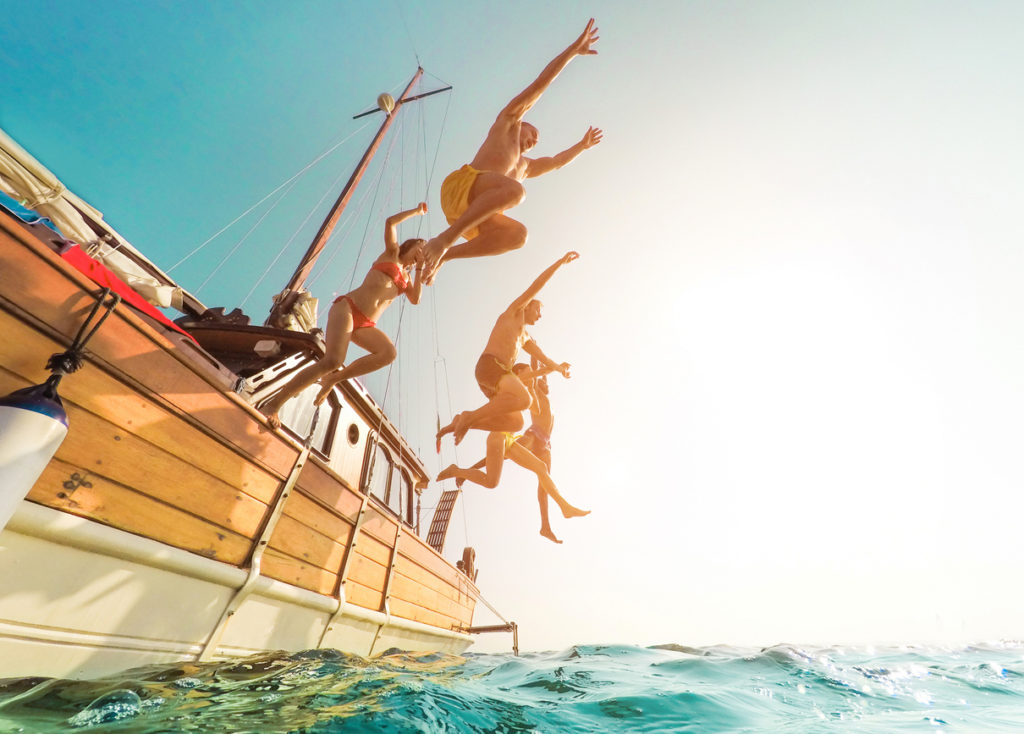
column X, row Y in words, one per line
column 794, row 325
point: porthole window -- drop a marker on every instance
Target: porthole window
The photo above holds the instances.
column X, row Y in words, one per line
column 353, row 434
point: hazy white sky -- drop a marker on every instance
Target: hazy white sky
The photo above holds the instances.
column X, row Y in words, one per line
column 798, row 371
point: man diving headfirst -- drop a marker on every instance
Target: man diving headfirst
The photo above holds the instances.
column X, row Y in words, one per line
column 507, row 395
column 474, row 197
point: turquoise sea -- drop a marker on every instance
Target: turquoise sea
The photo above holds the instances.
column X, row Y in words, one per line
column 588, row 688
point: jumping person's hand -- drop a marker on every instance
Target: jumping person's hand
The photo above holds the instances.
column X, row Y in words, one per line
column 422, row 208
column 563, row 370
column 592, row 137
column 581, row 46
column 568, row 257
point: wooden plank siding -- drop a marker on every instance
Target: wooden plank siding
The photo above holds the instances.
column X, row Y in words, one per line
column 329, row 490
column 165, row 367
column 379, row 525
column 406, row 610
column 122, row 507
column 24, row 351
column 361, row 596
column 197, row 511
column 443, row 588
column 301, row 542
column 422, row 554
column 283, row 567
column 405, row 591
column 426, row 582
column 314, row 530
column 311, row 514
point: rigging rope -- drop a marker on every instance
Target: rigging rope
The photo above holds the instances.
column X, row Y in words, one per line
column 329, row 191
column 380, row 178
column 489, row 606
column 341, row 233
column 250, row 209
column 291, row 239
column 407, row 33
column 244, row 238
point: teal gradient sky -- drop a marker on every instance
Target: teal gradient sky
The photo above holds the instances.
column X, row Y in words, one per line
column 798, row 368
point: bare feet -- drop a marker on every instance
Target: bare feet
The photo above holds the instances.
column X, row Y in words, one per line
column 273, row 419
column 457, row 426
column 461, row 427
column 433, row 254
column 442, row 432
column 570, row 511
column 547, row 533
column 270, row 410
column 447, row 473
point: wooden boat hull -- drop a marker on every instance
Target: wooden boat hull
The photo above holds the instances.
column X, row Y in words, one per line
column 143, row 527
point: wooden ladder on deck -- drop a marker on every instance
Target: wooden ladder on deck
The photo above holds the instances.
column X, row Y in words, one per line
column 442, row 516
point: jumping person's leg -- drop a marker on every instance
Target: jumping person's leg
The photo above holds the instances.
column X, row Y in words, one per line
column 497, row 235
column 381, row 350
column 492, row 472
column 503, row 412
column 337, row 337
column 527, row 460
column 542, row 497
column 492, row 193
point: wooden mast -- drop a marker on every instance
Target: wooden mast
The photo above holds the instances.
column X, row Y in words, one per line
column 286, row 301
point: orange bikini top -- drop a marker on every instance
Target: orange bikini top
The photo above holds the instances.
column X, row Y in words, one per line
column 395, row 272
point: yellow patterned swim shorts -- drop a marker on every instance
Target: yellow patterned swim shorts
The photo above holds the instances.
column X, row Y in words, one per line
column 455, row 195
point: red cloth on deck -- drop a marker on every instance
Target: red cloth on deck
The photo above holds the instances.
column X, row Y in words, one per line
column 100, row 274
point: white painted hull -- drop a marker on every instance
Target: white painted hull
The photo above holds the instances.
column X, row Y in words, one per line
column 82, row 599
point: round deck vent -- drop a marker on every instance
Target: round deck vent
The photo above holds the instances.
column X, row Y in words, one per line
column 353, row 434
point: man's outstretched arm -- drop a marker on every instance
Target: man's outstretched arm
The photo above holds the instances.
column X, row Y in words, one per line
column 526, row 99
column 530, row 293
column 540, row 166
column 537, row 371
column 534, row 351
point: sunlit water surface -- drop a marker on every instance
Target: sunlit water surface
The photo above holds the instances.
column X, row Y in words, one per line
column 589, row 688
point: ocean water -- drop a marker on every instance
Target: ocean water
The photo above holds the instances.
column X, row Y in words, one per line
column 589, row 688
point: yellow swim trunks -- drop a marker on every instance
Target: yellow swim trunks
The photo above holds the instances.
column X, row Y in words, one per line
column 455, row 195
column 511, row 438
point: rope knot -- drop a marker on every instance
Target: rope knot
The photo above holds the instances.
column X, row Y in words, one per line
column 65, row 363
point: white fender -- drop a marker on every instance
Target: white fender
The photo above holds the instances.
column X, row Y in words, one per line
column 32, row 425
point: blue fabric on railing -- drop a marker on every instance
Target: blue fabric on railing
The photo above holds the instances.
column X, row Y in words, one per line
column 25, row 214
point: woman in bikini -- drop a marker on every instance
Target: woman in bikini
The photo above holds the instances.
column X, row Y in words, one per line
column 353, row 317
